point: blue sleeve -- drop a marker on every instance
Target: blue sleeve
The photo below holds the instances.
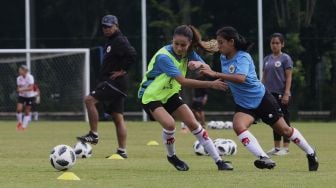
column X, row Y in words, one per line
column 242, row 65
column 166, row 65
column 193, row 56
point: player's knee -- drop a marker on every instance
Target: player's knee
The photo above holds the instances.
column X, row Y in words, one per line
column 168, row 125
column 89, row 100
column 238, row 127
column 286, row 131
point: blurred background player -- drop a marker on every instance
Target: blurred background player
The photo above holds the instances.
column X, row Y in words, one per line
column 160, row 87
column 37, row 95
column 26, row 97
column 252, row 100
column 277, row 78
column 119, row 56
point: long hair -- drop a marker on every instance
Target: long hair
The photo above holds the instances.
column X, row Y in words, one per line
column 240, row 42
column 195, row 37
column 279, row 36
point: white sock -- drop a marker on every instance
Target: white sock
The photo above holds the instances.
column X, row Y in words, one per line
column 300, row 141
column 122, row 150
column 202, row 137
column 26, row 120
column 252, row 144
column 168, row 138
column 19, row 117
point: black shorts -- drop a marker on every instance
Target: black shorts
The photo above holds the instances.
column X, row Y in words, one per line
column 26, row 100
column 268, row 111
column 111, row 96
column 170, row 106
column 197, row 106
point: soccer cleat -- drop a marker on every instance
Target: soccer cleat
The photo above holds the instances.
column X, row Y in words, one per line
column 264, row 162
column 177, row 163
column 224, row 165
column 313, row 163
column 282, row 151
column 90, row 138
column 123, row 154
column 272, row 151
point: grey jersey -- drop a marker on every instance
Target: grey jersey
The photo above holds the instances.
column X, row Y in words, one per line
column 274, row 72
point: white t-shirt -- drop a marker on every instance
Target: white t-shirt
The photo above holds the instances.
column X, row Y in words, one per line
column 25, row 82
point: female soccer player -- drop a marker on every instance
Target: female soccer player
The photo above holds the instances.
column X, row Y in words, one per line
column 277, row 78
column 252, row 99
column 159, row 93
column 26, row 96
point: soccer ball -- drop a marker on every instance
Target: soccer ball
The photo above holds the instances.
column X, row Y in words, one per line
column 62, row 157
column 199, row 149
column 83, row 150
column 225, row 146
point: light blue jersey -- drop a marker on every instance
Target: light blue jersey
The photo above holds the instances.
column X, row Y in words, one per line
column 250, row 93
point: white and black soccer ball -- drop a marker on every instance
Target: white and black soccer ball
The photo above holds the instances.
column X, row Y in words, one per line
column 62, row 157
column 228, row 125
column 225, row 146
column 199, row 149
column 83, row 150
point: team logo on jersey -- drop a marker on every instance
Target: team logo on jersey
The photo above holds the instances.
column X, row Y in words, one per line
column 108, row 49
column 277, row 64
column 232, row 68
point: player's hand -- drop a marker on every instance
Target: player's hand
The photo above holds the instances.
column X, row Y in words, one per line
column 219, row 85
column 194, row 65
column 206, row 70
column 285, row 99
column 116, row 74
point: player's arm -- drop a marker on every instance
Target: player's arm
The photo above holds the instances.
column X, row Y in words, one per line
column 166, row 65
column 186, row 82
column 29, row 88
column 237, row 78
column 127, row 56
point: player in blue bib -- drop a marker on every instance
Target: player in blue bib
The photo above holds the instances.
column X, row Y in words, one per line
column 252, row 100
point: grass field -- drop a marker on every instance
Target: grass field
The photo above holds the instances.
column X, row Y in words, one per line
column 24, row 159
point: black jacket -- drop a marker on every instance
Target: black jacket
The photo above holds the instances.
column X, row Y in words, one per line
column 118, row 55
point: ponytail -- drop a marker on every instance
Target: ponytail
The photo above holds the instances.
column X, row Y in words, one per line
column 195, row 37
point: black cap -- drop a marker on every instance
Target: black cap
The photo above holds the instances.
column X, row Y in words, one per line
column 109, row 20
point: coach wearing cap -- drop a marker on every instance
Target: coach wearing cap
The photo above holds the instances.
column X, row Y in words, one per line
column 119, row 56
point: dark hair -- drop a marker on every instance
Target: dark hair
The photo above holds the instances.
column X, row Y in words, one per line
column 229, row 33
column 279, row 36
column 192, row 34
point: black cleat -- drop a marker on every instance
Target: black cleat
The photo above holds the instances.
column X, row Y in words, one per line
column 89, row 138
column 264, row 162
column 313, row 163
column 123, row 154
column 177, row 163
column 224, row 165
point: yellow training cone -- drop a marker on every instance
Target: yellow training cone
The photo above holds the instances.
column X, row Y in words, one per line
column 68, row 176
column 116, row 157
column 152, row 143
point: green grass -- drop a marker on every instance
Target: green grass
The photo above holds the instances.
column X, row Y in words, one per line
column 24, row 159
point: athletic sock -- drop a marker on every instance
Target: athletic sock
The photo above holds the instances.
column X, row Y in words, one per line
column 26, row 120
column 168, row 138
column 252, row 144
column 19, row 117
column 122, row 150
column 94, row 133
column 300, row 141
column 202, row 137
